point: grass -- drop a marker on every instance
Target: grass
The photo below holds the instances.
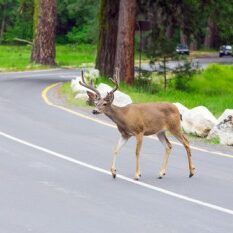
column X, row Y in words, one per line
column 212, row 88
column 70, row 96
column 14, row 58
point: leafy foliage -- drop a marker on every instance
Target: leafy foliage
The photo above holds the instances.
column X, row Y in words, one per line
column 77, row 20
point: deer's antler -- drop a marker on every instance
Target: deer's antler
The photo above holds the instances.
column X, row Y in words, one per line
column 89, row 86
column 116, row 79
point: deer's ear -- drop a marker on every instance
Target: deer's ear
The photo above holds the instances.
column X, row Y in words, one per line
column 110, row 97
column 92, row 96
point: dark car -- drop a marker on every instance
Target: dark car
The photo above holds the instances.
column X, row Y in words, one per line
column 182, row 49
column 225, row 50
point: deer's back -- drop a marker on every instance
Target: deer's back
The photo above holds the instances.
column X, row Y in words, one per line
column 153, row 117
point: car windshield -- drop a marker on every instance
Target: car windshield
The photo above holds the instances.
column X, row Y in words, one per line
column 228, row 47
column 181, row 46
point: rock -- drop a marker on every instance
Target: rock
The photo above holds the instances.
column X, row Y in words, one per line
column 90, row 74
column 104, row 89
column 198, row 121
column 121, row 99
column 182, row 109
column 76, row 87
column 224, row 128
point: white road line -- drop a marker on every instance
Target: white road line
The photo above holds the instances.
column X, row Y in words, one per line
column 139, row 183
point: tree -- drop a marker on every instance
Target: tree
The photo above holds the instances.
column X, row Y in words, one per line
column 43, row 51
column 108, row 28
column 23, row 20
column 125, row 40
column 6, row 15
column 77, row 21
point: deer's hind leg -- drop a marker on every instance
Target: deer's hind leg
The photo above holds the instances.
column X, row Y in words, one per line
column 180, row 136
column 168, row 147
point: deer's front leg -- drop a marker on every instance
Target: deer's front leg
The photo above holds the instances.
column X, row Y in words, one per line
column 116, row 150
column 139, row 139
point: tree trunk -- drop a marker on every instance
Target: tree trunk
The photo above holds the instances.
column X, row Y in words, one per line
column 193, row 43
column 108, row 25
column 3, row 23
column 125, row 40
column 169, row 29
column 35, row 16
column 165, row 72
column 43, row 51
column 211, row 33
column 183, row 37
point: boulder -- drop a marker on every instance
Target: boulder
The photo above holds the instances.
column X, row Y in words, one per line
column 182, row 109
column 198, row 121
column 90, row 74
column 224, row 128
column 76, row 87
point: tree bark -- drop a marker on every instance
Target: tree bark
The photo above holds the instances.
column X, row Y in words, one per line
column 43, row 51
column 3, row 23
column 108, row 27
column 211, row 33
column 183, row 37
column 125, row 40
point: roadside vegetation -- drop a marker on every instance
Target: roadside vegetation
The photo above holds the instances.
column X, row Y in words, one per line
column 212, row 87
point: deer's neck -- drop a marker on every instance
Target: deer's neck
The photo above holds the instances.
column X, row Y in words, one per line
column 116, row 114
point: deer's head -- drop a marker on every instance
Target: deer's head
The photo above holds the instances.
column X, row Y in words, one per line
column 101, row 104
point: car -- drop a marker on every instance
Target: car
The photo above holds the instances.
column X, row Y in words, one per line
column 182, row 49
column 225, row 50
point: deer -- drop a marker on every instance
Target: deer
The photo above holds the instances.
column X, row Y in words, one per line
column 139, row 120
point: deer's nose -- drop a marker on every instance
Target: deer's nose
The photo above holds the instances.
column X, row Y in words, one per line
column 95, row 111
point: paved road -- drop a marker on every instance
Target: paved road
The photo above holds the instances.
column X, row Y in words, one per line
column 54, row 178
column 197, row 62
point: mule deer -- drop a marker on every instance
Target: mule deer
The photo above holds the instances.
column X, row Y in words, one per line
column 139, row 120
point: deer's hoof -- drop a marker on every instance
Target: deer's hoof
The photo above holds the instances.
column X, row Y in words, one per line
column 137, row 177
column 191, row 174
column 113, row 171
column 161, row 174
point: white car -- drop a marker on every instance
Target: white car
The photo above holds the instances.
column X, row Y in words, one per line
column 225, row 50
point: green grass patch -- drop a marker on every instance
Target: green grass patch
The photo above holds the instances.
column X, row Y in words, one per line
column 13, row 57
column 66, row 91
column 76, row 55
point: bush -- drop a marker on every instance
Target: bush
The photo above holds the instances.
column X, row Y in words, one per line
column 214, row 80
column 81, row 36
column 183, row 76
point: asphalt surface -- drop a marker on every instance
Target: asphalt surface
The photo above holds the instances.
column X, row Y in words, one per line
column 54, row 173
column 196, row 62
